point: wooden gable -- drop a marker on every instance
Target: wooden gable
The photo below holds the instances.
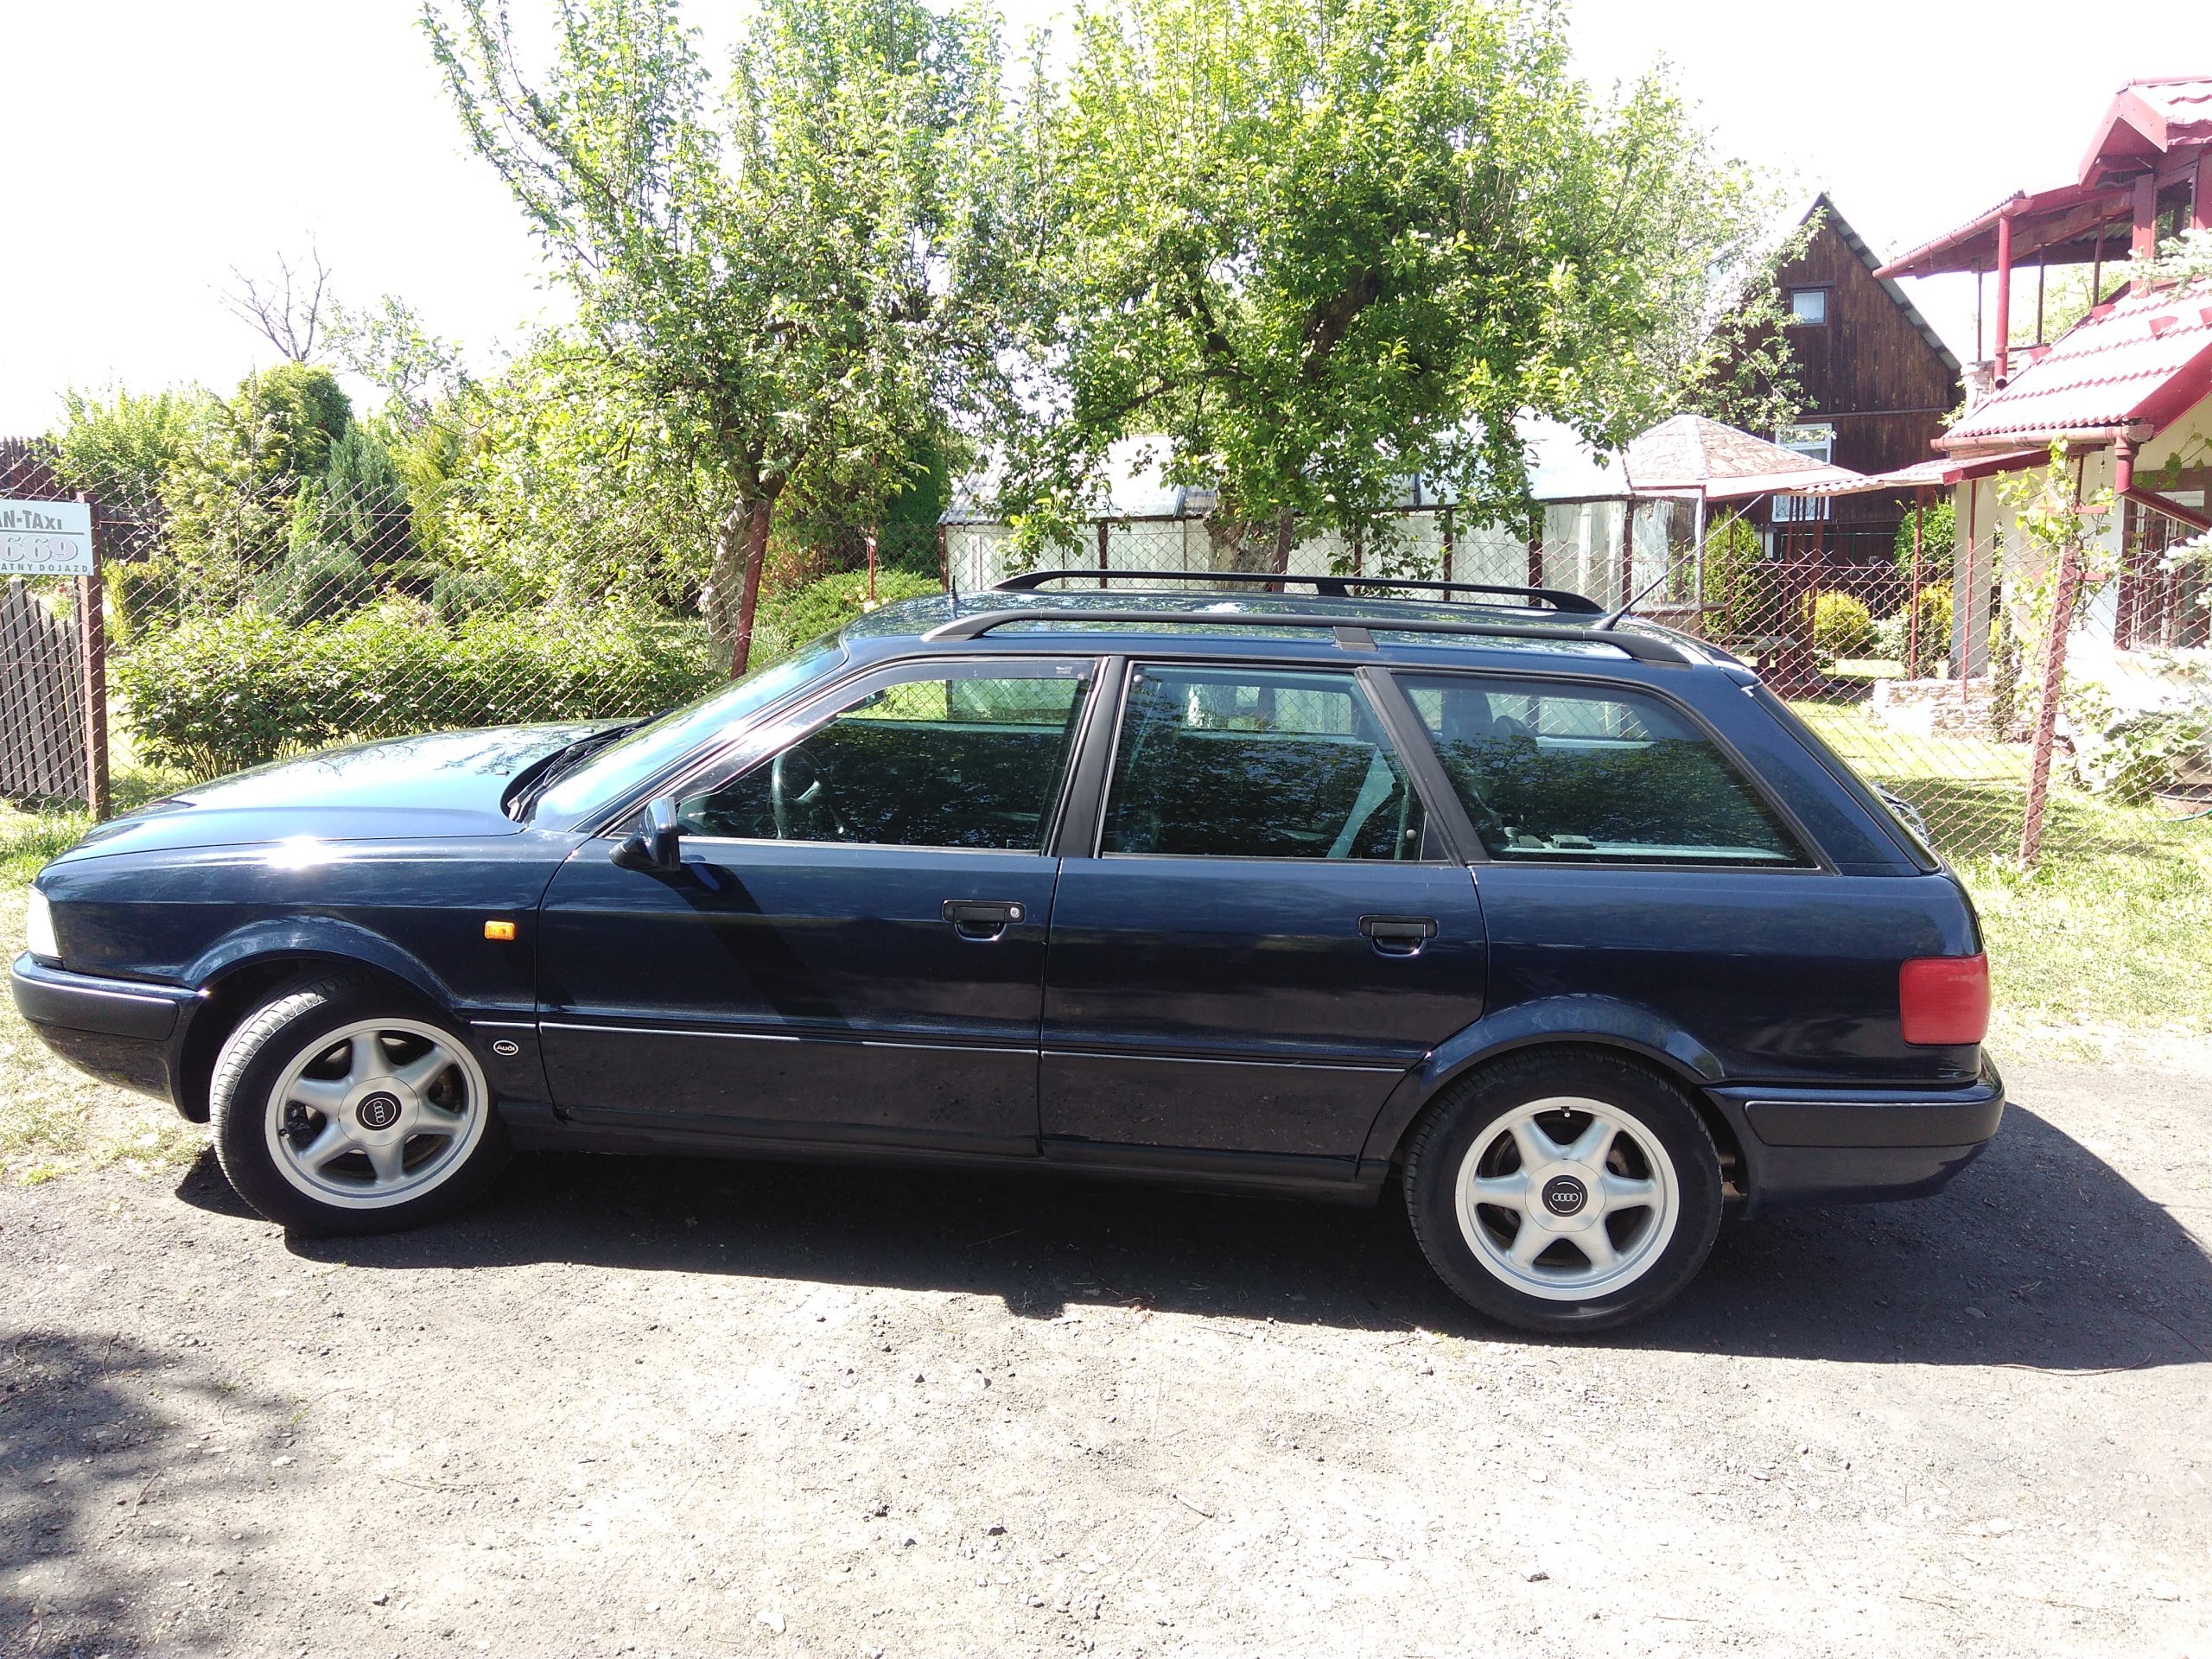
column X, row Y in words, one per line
column 1873, row 369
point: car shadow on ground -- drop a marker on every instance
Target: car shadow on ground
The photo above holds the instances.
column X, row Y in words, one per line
column 2040, row 1254
column 100, row 1445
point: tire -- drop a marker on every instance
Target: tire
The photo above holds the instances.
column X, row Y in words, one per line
column 342, row 1105
column 1529, row 1247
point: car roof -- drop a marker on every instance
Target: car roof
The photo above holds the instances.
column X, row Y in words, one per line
column 1249, row 623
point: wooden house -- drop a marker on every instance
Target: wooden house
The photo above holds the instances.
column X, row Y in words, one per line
column 1877, row 381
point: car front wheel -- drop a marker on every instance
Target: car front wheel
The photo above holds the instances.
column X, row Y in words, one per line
column 1565, row 1192
column 340, row 1106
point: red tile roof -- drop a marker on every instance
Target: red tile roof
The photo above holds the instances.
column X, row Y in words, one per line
column 2143, row 359
column 2147, row 119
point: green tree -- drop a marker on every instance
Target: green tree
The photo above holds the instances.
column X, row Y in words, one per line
column 387, row 346
column 1323, row 245
column 287, row 418
column 571, row 489
column 788, row 272
column 119, row 449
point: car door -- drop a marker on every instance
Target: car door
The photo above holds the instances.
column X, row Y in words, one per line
column 853, row 948
column 1267, row 933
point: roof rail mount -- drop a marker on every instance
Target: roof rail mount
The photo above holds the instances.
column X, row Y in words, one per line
column 1329, row 587
column 1353, row 631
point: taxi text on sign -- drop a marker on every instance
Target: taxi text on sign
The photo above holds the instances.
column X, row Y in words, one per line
column 45, row 538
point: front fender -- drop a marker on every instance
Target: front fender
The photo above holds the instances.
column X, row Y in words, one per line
column 1603, row 1021
column 317, row 935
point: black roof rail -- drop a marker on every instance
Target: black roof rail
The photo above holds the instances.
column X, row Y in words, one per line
column 1350, row 630
column 1329, row 587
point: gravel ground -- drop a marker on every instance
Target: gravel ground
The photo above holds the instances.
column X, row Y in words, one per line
column 656, row 1407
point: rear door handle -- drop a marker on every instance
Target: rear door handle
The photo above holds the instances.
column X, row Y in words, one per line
column 1399, row 936
column 981, row 919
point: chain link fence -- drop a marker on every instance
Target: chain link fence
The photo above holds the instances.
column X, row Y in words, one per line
column 248, row 615
column 1922, row 666
column 251, row 614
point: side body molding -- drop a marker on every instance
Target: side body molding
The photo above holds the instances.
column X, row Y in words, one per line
column 1605, row 1021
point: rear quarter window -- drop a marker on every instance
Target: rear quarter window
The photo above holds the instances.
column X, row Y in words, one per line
column 1553, row 772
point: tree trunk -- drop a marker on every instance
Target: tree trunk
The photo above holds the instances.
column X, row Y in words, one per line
column 756, row 554
column 725, row 577
column 1286, row 536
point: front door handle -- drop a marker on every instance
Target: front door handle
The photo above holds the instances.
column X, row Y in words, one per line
column 1399, row 936
column 981, row 919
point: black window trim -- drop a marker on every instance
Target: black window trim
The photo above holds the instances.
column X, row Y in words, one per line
column 1818, row 862
column 1086, row 840
column 805, row 718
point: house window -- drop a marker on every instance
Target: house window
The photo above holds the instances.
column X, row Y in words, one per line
column 1808, row 307
column 1815, row 443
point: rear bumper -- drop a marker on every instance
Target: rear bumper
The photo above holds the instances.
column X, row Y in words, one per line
column 121, row 1031
column 1856, row 1145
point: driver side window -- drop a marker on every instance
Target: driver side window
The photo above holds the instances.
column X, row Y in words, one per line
column 967, row 755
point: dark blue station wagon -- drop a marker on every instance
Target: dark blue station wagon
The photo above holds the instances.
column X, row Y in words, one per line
column 1563, row 926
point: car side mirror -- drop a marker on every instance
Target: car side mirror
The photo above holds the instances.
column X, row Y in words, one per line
column 658, row 845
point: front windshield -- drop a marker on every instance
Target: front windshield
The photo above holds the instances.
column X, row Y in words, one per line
column 620, row 767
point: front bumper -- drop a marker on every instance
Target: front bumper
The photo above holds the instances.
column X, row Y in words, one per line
column 1858, row 1146
column 121, row 1031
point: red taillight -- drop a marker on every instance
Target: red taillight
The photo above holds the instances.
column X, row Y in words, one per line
column 1944, row 999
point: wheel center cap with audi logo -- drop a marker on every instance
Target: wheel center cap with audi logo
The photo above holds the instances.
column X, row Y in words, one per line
column 1565, row 1196
column 377, row 1111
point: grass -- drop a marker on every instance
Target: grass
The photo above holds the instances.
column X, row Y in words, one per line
column 2100, row 950
column 52, row 1118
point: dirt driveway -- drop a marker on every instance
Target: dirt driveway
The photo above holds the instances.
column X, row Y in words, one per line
column 653, row 1406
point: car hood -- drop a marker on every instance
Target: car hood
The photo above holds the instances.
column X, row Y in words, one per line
column 446, row 784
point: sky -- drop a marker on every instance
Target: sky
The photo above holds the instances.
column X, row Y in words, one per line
column 194, row 140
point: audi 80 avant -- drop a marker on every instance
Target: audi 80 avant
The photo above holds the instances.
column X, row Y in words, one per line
column 1562, row 927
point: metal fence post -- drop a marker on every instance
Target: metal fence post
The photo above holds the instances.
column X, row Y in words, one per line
column 2054, row 672
column 1912, row 593
column 92, row 633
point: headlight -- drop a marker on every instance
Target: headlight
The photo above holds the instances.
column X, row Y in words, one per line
column 38, row 928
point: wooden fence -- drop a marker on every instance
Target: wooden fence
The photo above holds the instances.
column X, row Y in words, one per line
column 44, row 752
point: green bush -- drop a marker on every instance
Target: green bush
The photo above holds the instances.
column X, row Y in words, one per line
column 789, row 619
column 1936, row 613
column 1892, row 638
column 218, row 693
column 1939, row 535
column 459, row 593
column 1842, row 626
column 1735, row 592
column 141, row 595
column 316, row 582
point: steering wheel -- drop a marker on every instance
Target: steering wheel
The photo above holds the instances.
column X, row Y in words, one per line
column 795, row 783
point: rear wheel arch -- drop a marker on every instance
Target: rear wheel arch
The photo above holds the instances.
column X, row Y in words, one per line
column 1564, row 1186
column 1735, row 1171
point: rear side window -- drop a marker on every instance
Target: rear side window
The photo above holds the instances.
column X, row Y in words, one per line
column 1257, row 763
column 1561, row 774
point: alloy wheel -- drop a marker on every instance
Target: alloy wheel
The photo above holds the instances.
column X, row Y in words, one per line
column 1567, row 1197
column 376, row 1113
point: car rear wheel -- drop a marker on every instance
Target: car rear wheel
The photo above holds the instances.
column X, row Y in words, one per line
column 1565, row 1192
column 342, row 1106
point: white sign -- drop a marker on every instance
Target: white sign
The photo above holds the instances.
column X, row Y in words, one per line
column 45, row 538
